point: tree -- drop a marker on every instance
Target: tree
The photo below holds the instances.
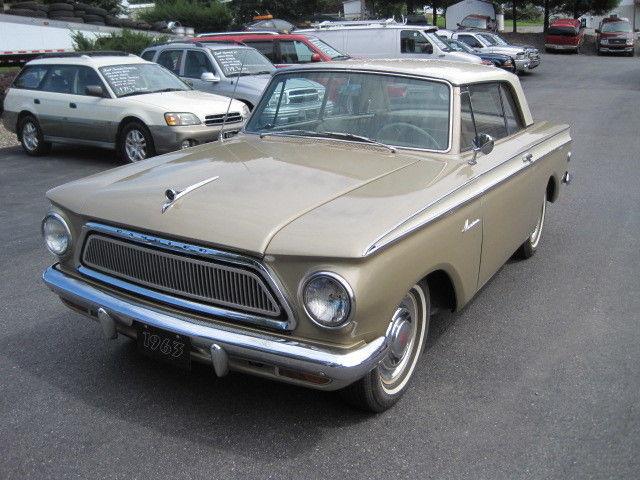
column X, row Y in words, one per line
column 245, row 10
column 577, row 8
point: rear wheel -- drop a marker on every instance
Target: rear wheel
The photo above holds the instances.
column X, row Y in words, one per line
column 135, row 142
column 529, row 247
column 383, row 386
column 31, row 137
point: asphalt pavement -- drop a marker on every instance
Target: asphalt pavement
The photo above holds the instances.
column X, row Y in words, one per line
column 538, row 377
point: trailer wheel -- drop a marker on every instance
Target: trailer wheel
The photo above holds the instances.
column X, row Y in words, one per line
column 92, row 18
column 29, row 6
column 67, row 7
column 96, row 11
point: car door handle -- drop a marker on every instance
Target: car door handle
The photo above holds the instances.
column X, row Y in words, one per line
column 36, row 101
column 527, row 158
column 73, row 105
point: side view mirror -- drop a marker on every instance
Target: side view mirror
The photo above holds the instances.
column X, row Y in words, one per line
column 597, row 30
column 209, row 77
column 483, row 143
column 427, row 49
column 94, row 91
column 637, row 30
column 458, row 24
column 316, row 57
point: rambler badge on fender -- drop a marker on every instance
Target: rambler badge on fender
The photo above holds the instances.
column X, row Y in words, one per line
column 312, row 247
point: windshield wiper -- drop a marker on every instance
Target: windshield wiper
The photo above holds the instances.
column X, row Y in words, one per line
column 341, row 135
column 137, row 92
column 341, row 57
column 170, row 89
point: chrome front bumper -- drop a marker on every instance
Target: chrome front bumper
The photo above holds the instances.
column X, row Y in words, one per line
column 224, row 347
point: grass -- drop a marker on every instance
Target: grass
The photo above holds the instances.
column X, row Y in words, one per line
column 8, row 69
column 523, row 23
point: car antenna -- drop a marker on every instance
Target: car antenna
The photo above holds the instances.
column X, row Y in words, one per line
column 233, row 95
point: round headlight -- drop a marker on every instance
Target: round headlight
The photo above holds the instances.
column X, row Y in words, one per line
column 245, row 111
column 327, row 299
column 56, row 233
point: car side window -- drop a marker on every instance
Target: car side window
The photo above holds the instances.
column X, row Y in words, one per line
column 470, row 40
column 30, row 77
column 511, row 113
column 295, row 51
column 148, row 55
column 170, row 59
column 487, row 108
column 85, row 77
column 60, row 79
column 196, row 63
column 265, row 47
column 412, row 41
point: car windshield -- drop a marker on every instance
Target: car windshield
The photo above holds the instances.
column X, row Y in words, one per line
column 490, row 39
column 235, row 62
column 141, row 78
column 364, row 107
column 563, row 31
column 616, row 27
column 438, row 41
column 327, row 49
column 498, row 39
column 474, row 22
column 459, row 46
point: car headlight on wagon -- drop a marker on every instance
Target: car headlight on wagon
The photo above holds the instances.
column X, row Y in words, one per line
column 56, row 234
column 327, row 299
column 181, row 119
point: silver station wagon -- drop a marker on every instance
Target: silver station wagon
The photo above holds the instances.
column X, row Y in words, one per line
column 314, row 251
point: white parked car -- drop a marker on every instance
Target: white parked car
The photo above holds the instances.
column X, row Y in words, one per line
column 115, row 101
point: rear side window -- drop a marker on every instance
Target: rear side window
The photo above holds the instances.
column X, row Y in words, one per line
column 196, row 63
column 264, row 47
column 487, row 108
column 30, row 77
column 295, row 51
column 148, row 55
column 60, row 79
column 170, row 59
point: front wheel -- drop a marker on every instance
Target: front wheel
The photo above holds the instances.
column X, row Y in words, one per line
column 383, row 386
column 529, row 247
column 31, row 137
column 136, row 142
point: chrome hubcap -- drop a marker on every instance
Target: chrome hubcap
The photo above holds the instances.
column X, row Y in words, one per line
column 534, row 239
column 135, row 145
column 402, row 335
column 30, row 136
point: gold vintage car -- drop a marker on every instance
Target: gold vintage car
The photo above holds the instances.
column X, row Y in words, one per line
column 311, row 249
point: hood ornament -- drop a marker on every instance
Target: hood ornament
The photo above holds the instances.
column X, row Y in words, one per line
column 174, row 195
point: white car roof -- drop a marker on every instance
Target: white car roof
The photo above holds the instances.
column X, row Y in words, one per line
column 89, row 60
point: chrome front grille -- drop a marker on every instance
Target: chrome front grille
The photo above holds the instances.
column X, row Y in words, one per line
column 303, row 96
column 232, row 117
column 199, row 279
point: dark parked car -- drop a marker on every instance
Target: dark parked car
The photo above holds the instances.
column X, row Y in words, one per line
column 616, row 35
column 498, row 59
column 564, row 34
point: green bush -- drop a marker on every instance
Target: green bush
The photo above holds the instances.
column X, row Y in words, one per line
column 123, row 41
column 203, row 17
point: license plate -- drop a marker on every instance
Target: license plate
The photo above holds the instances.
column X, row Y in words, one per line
column 165, row 346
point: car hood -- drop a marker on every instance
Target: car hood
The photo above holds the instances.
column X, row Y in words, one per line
column 617, row 35
column 193, row 101
column 253, row 188
column 465, row 57
column 254, row 82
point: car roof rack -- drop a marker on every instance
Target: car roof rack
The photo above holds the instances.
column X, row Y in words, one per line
column 248, row 32
column 355, row 23
column 96, row 53
column 175, row 42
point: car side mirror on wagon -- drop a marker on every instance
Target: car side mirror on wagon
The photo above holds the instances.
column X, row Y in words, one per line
column 482, row 143
column 94, row 91
column 316, row 57
column 209, row 77
column 597, row 30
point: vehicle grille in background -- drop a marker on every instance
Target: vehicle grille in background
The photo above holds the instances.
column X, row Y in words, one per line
column 194, row 278
column 232, row 117
column 617, row 41
column 303, row 96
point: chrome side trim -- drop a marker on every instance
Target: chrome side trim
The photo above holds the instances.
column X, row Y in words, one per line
column 375, row 245
column 198, row 251
column 340, row 365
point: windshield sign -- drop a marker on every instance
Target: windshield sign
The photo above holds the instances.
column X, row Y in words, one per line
column 361, row 107
column 141, row 78
column 235, row 62
column 616, row 27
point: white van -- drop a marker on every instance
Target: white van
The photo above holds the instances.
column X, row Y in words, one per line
column 387, row 40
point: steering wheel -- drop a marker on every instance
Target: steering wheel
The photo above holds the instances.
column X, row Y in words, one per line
column 396, row 131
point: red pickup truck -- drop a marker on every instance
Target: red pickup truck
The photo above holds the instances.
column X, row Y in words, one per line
column 564, row 34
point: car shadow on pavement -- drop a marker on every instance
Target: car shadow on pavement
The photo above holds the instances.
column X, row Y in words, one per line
column 240, row 413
